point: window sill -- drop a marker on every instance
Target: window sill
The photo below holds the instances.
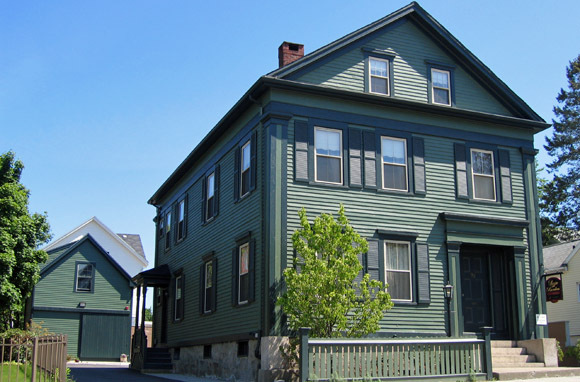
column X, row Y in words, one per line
column 484, row 201
column 245, row 196
column 206, row 222
column 405, row 303
column 331, row 185
column 395, row 192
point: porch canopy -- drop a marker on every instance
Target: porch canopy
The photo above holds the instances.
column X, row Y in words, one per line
column 156, row 277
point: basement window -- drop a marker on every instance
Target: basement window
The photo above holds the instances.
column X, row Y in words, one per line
column 243, row 349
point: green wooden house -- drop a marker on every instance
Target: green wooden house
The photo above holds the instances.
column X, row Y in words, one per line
column 429, row 151
column 85, row 294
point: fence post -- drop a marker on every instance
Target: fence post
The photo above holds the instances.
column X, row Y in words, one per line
column 488, row 366
column 64, row 340
column 34, row 358
column 304, row 372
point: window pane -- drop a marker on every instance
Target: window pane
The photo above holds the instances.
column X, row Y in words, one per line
column 84, row 284
column 399, row 285
column 208, row 300
column 244, row 255
column 208, row 275
column 246, row 156
column 181, row 210
column 378, row 68
column 394, row 177
column 393, row 150
column 84, row 270
column 168, row 222
column 403, row 255
column 482, row 162
column 210, row 185
column 245, row 182
column 379, row 85
column 392, row 260
column 441, row 96
column 440, row 79
column 397, row 256
column 328, row 169
column 483, row 187
column 244, row 287
column 327, row 142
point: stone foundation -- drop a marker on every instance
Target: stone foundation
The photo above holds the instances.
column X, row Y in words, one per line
column 224, row 362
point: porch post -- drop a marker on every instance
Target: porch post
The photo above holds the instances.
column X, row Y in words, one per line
column 521, row 293
column 137, row 308
column 488, row 365
column 304, row 372
column 453, row 269
column 143, row 307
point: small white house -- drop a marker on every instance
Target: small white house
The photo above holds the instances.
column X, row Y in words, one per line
column 125, row 249
column 564, row 315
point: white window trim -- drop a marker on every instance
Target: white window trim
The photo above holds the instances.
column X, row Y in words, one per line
column 92, row 277
column 388, row 93
column 205, row 310
column 240, row 274
column 433, row 87
column 316, row 155
column 492, row 176
column 175, row 318
column 394, row 164
column 208, row 218
column 410, row 271
column 242, row 167
column 578, row 289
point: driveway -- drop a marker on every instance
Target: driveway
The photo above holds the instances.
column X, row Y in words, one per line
column 115, row 371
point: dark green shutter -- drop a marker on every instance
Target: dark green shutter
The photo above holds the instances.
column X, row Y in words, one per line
column 235, row 270
column 252, row 271
column 373, row 259
column 354, row 154
column 301, row 151
column 216, row 191
column 505, row 176
column 182, row 300
column 370, row 159
column 419, row 165
column 362, row 260
column 237, row 174
column 423, row 275
column 461, row 171
column 214, row 286
column 203, row 198
column 253, row 160
column 201, row 287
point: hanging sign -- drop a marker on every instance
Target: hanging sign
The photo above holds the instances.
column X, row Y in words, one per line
column 554, row 289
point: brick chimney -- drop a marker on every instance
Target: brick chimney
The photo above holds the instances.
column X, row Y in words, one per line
column 289, row 52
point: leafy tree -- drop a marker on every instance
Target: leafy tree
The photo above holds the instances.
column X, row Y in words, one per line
column 20, row 235
column 560, row 202
column 148, row 314
column 321, row 289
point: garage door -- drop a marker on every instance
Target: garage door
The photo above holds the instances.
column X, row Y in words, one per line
column 104, row 336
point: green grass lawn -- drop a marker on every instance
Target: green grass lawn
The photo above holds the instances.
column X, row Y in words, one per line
column 13, row 372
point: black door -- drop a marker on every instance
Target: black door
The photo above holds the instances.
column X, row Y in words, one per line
column 475, row 292
column 485, row 288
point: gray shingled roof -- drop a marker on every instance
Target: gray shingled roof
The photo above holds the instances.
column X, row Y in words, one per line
column 556, row 255
column 134, row 242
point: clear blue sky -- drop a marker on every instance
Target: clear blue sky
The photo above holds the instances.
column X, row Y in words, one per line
column 102, row 100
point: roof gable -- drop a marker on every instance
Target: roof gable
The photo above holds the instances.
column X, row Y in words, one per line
column 125, row 252
column 412, row 36
column 60, row 254
column 558, row 256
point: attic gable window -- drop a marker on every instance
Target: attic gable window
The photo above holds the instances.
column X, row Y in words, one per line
column 441, row 87
column 85, row 277
column 379, row 76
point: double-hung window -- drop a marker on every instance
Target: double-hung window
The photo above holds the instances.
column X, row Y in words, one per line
column 245, row 163
column 379, row 75
column 398, row 270
column 168, row 230
column 328, row 155
column 243, row 273
column 85, row 277
column 210, row 192
column 181, row 222
column 208, row 302
column 394, row 163
column 441, row 87
column 178, row 301
column 482, row 169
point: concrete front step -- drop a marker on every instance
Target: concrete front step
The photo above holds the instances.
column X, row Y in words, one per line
column 511, row 373
column 503, row 352
column 503, row 344
column 514, row 360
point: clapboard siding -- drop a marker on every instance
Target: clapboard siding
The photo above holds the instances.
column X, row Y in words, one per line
column 411, row 48
column 218, row 236
column 368, row 210
column 111, row 289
